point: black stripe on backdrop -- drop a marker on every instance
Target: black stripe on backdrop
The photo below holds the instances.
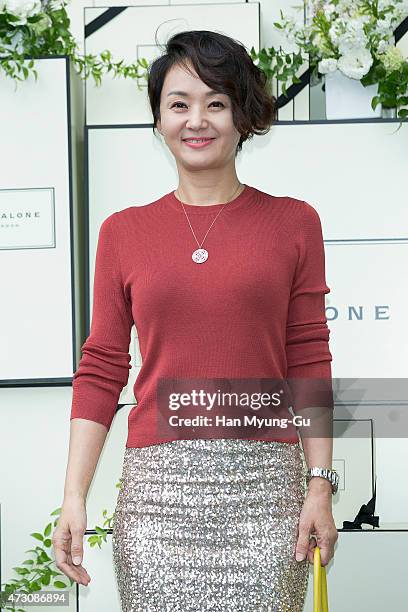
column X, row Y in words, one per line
column 103, row 19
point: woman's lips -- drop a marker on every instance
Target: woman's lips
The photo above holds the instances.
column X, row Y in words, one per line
column 198, row 145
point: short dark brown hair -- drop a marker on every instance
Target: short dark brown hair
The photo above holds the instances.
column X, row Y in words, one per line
column 224, row 65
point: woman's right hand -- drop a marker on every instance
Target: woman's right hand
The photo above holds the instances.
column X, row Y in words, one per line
column 67, row 539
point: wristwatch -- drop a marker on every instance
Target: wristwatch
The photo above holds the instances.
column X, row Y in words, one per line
column 330, row 475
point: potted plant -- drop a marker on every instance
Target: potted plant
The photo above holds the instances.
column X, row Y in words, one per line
column 351, row 44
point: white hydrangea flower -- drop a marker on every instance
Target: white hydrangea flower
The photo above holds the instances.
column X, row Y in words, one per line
column 327, row 65
column 56, row 4
column 328, row 10
column 383, row 46
column 334, row 34
column 384, row 27
column 356, row 25
column 384, row 4
column 294, row 29
column 392, row 59
column 343, row 7
column 348, row 43
column 402, row 7
column 23, row 9
column 356, row 63
column 384, row 24
column 353, row 37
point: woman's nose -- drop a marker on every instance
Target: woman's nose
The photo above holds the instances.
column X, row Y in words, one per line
column 197, row 119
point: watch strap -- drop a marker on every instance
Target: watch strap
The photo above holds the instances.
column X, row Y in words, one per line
column 327, row 473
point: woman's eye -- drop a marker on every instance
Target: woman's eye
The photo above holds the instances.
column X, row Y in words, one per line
column 215, row 102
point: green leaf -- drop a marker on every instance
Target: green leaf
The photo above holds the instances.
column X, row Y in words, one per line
column 93, row 538
column 47, row 530
column 47, row 543
column 60, row 585
column 38, row 536
column 23, row 571
column 43, row 557
column 35, row 586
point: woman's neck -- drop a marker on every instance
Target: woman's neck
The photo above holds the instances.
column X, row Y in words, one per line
column 206, row 194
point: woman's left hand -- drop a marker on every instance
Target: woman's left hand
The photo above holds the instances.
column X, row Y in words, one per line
column 316, row 519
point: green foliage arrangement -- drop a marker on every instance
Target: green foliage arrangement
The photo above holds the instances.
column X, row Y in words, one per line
column 36, row 573
column 38, row 28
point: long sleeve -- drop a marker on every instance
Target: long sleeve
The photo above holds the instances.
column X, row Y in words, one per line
column 103, row 370
column 307, row 334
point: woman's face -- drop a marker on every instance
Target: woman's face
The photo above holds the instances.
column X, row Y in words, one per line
column 196, row 112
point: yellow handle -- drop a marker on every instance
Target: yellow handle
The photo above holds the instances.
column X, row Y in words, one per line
column 320, row 600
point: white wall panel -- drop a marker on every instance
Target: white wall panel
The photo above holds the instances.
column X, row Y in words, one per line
column 353, row 461
column 36, row 238
column 359, row 577
column 76, row 14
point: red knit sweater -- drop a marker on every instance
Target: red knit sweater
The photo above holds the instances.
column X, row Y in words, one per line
column 254, row 310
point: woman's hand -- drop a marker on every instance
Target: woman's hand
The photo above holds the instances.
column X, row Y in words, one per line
column 316, row 519
column 67, row 539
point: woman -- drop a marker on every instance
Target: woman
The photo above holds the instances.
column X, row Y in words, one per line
column 226, row 286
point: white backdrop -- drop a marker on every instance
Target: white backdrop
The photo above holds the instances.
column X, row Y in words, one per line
column 374, row 177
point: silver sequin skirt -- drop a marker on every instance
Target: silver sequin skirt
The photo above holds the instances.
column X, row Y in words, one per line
column 210, row 525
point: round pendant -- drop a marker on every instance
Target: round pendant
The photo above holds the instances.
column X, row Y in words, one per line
column 200, row 256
